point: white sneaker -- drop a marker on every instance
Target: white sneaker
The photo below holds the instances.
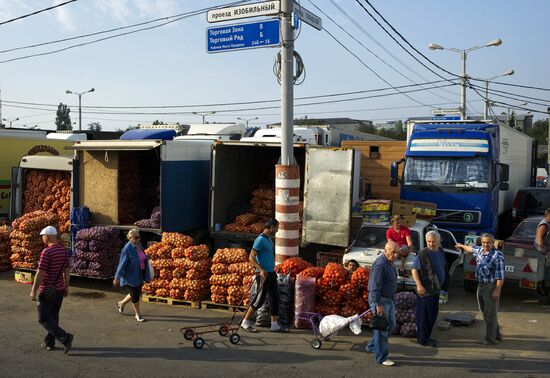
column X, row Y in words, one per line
column 275, row 327
column 388, row 363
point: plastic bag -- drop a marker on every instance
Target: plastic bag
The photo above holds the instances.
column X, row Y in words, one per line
column 263, row 317
column 284, row 284
column 331, row 324
column 304, row 300
column 150, row 272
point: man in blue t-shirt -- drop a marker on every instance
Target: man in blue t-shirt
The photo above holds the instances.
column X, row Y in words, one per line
column 429, row 275
column 262, row 256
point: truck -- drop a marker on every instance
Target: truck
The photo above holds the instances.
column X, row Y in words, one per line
column 371, row 239
column 329, row 186
column 327, row 135
column 463, row 167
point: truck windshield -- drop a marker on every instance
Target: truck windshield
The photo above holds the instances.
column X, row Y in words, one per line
column 459, row 172
column 375, row 237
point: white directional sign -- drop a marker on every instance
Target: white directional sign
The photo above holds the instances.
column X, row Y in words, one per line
column 264, row 8
column 445, row 111
column 308, row 17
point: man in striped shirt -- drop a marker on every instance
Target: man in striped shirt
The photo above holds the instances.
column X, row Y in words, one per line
column 52, row 275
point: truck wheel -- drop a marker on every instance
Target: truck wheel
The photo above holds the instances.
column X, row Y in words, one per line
column 470, row 286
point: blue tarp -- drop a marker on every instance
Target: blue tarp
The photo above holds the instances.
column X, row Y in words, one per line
column 161, row 134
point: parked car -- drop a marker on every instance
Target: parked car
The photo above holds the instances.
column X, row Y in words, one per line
column 371, row 239
column 530, row 202
column 523, row 264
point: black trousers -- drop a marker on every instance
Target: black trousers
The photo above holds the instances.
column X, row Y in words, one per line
column 427, row 309
column 270, row 288
column 48, row 317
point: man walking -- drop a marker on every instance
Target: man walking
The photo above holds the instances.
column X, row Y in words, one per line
column 382, row 286
column 262, row 256
column 52, row 284
column 429, row 275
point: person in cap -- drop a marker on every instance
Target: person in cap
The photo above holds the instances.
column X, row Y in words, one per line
column 51, row 283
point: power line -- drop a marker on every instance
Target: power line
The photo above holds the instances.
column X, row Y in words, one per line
column 37, row 12
column 515, row 85
column 184, row 15
column 522, row 97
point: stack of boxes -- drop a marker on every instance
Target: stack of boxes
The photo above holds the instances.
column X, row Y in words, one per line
column 377, row 211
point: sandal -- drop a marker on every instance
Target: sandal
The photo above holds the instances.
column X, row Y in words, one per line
column 120, row 308
column 140, row 318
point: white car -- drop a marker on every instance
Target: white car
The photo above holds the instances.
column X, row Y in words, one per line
column 371, row 239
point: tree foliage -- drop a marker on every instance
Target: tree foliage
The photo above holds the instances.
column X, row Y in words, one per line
column 94, row 126
column 63, row 118
column 539, row 131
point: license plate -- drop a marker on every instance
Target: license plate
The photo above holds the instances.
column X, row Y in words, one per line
column 509, row 268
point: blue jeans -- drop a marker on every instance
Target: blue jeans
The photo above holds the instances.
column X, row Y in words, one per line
column 379, row 342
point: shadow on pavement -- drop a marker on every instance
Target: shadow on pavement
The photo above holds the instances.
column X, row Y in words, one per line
column 191, row 354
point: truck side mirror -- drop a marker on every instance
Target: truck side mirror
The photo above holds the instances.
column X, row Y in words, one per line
column 394, row 173
column 504, row 172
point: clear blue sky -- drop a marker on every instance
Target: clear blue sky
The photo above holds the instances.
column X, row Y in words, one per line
column 169, row 65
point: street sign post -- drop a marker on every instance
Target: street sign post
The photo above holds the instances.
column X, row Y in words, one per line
column 265, row 8
column 243, row 36
column 308, row 17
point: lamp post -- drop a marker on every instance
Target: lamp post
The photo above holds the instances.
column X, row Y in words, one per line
column 463, row 77
column 204, row 114
column 486, row 110
column 79, row 94
column 247, row 120
column 10, row 120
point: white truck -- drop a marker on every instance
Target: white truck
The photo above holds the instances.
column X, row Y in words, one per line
column 371, row 239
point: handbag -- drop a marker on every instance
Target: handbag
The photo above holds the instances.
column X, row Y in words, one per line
column 380, row 322
column 150, row 272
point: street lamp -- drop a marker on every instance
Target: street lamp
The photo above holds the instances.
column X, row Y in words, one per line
column 507, row 73
column 463, row 55
column 204, row 114
column 79, row 94
column 247, row 120
column 10, row 120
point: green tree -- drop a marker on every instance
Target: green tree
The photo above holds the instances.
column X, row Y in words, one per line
column 63, row 118
column 539, row 131
column 94, row 126
column 366, row 128
column 512, row 120
column 157, row 122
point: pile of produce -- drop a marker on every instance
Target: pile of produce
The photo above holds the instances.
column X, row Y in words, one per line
column 43, row 148
column 293, row 266
column 5, row 248
column 26, row 242
column 129, row 184
column 262, row 207
column 181, row 268
column 152, row 222
column 49, row 191
column 97, row 252
column 232, row 275
column 405, row 314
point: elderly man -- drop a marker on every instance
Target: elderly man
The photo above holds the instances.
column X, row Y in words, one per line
column 429, row 275
column 490, row 278
column 382, row 287
column 52, row 284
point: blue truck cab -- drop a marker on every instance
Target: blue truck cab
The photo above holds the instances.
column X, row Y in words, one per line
column 469, row 169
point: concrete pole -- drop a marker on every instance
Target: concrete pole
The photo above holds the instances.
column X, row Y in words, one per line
column 463, row 87
column 80, row 112
column 287, row 174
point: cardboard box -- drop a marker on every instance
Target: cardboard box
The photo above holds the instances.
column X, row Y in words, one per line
column 376, row 205
column 377, row 217
column 424, row 210
column 408, row 220
column 402, row 208
column 23, row 277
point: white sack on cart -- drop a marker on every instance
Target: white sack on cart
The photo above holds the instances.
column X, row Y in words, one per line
column 331, row 324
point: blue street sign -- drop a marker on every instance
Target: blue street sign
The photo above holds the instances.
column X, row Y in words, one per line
column 446, row 118
column 243, row 36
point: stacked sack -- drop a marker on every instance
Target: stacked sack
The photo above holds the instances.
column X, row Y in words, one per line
column 232, row 275
column 262, row 207
column 5, row 248
column 49, row 191
column 151, row 222
column 26, row 242
column 97, row 252
column 405, row 314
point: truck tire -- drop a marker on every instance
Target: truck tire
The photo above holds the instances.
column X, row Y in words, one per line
column 470, row 286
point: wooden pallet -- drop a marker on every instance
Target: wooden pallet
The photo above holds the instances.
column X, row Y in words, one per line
column 171, row 301
column 208, row 305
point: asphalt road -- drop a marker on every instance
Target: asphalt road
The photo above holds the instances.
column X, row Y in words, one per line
column 108, row 344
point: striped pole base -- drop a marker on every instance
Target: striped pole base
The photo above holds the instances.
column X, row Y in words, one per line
column 287, row 211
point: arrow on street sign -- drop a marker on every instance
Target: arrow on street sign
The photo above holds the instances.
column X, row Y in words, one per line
column 308, row 17
column 264, row 8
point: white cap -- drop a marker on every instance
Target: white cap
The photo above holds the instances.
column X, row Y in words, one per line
column 50, row 230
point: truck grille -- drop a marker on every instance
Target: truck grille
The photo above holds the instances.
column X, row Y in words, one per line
column 457, row 216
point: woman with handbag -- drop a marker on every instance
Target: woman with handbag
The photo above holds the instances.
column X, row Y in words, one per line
column 132, row 271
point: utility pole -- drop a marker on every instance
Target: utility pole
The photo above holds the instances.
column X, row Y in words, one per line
column 1, row 124
column 463, row 86
column 287, row 173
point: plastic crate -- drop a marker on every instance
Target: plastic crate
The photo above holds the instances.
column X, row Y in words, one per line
column 323, row 258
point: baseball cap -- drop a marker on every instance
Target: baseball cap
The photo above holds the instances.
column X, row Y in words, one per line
column 50, row 230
